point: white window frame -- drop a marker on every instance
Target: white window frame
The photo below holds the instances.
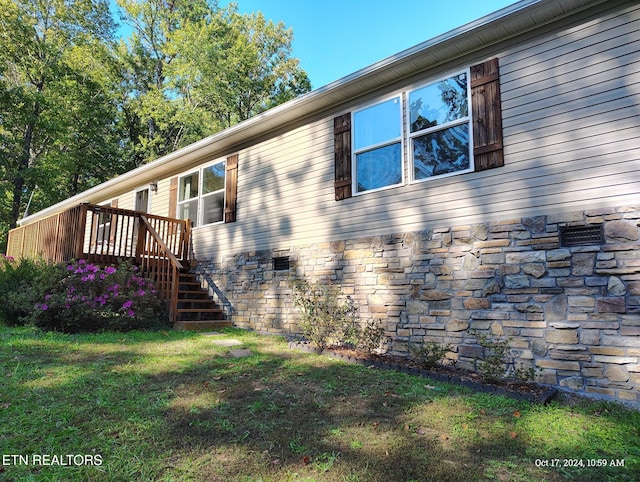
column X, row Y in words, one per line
column 465, row 120
column 196, row 197
column 407, row 137
column 200, row 197
column 371, row 147
column 104, row 225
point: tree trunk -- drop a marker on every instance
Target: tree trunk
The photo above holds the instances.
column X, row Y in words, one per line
column 25, row 159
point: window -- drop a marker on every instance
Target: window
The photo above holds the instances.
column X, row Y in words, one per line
column 104, row 226
column 439, row 128
column 102, row 237
column 188, row 197
column 201, row 195
column 377, row 142
column 453, row 126
column 213, row 193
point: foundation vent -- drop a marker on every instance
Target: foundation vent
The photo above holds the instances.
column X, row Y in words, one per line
column 581, row 235
column 281, row 263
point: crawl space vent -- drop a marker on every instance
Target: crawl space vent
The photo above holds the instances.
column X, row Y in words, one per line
column 581, row 235
column 281, row 263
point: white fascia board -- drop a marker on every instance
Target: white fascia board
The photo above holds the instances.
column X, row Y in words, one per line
column 536, row 12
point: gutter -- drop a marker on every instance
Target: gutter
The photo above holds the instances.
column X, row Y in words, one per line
column 540, row 11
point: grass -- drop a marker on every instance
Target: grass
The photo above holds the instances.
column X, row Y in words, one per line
column 170, row 406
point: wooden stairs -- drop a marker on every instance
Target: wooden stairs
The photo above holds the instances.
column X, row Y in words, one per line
column 196, row 311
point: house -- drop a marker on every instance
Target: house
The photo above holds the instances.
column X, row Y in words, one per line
column 486, row 180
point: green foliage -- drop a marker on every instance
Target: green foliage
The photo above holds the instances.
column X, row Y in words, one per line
column 497, row 357
column 76, row 297
column 57, row 108
column 88, row 299
column 193, row 68
column 79, row 108
column 526, row 374
column 327, row 318
column 22, row 283
column 430, row 353
column 371, row 337
column 499, row 360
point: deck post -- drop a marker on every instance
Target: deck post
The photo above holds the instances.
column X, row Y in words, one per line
column 22, row 241
column 140, row 241
column 56, row 255
column 187, row 240
column 81, row 227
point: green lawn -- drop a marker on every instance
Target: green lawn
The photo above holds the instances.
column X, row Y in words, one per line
column 175, row 406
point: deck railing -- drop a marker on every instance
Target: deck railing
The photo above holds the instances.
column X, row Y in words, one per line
column 160, row 264
column 107, row 235
column 57, row 238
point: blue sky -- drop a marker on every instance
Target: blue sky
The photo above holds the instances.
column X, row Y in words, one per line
column 334, row 38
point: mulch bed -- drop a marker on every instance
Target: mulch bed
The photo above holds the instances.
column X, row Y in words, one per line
column 528, row 391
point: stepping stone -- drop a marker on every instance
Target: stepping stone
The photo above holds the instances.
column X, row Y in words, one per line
column 241, row 353
column 231, row 342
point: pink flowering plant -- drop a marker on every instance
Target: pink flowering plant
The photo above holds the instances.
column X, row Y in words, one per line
column 91, row 298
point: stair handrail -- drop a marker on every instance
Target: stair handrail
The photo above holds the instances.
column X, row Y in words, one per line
column 167, row 282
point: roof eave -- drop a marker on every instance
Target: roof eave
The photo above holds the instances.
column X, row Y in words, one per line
column 495, row 27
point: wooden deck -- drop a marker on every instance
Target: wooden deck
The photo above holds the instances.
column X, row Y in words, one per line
column 106, row 235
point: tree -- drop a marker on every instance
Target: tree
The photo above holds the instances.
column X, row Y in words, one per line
column 78, row 108
column 239, row 71
column 38, row 42
column 195, row 69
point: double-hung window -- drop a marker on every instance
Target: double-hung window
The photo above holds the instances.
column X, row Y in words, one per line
column 188, row 188
column 442, row 127
column 439, row 128
column 377, row 143
column 201, row 195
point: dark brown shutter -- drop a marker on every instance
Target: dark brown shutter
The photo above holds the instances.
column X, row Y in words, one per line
column 342, row 155
column 486, row 113
column 231, row 189
column 173, row 197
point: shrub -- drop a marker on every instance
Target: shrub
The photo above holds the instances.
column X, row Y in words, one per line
column 22, row 283
column 430, row 353
column 90, row 298
column 497, row 357
column 371, row 337
column 499, row 360
column 327, row 317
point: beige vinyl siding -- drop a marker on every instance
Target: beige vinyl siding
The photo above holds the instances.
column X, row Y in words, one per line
column 281, row 183
column 570, row 101
column 160, row 199
column 126, row 200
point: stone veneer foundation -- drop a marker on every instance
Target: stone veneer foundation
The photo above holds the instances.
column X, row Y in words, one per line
column 572, row 312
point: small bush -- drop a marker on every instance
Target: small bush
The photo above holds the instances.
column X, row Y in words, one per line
column 527, row 374
column 430, row 353
column 327, row 317
column 89, row 299
column 499, row 360
column 22, row 284
column 371, row 337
